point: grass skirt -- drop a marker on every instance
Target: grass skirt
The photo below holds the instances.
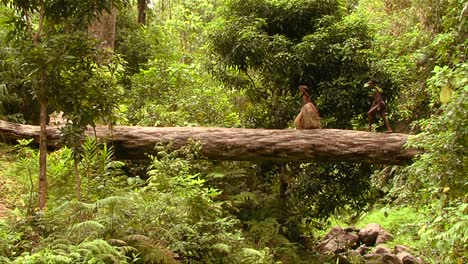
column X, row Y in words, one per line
column 308, row 118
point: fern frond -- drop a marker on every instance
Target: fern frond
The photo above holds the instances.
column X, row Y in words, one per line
column 59, row 259
column 75, row 206
column 246, row 196
column 87, row 228
column 106, row 154
column 112, row 201
column 61, row 242
column 222, row 248
column 158, row 254
column 98, row 248
column 137, row 238
column 117, row 242
column 115, row 164
column 109, row 258
column 74, row 255
column 128, row 249
column 61, row 247
column 90, row 150
column 250, row 252
column 61, row 251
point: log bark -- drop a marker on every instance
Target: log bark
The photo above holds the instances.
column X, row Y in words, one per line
column 331, row 145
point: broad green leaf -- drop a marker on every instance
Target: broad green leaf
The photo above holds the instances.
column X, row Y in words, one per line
column 445, row 94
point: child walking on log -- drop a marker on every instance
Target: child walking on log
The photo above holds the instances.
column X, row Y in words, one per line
column 309, row 117
column 378, row 106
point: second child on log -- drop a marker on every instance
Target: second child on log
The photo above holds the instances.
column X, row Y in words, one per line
column 378, row 105
column 309, row 117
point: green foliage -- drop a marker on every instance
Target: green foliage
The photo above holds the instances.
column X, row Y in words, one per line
column 172, row 88
column 174, row 214
column 444, row 236
column 293, row 19
column 102, row 172
column 330, row 187
column 279, row 44
column 410, row 39
column 56, row 59
column 186, row 210
column 8, row 239
column 177, row 94
column 440, row 173
column 93, row 251
column 402, row 222
column 136, row 43
column 15, row 101
column 444, row 138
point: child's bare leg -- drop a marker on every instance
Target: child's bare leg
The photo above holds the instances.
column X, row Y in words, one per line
column 370, row 116
column 387, row 123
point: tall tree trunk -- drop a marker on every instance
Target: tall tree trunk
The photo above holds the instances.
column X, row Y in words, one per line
column 103, row 28
column 166, row 8
column 43, row 103
column 43, row 185
column 76, row 161
column 142, row 7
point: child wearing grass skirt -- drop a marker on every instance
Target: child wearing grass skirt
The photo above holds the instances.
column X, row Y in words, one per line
column 309, row 117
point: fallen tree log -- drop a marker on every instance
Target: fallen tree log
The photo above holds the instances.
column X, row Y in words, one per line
column 133, row 142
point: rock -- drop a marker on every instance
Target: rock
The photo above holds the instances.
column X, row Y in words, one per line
column 351, row 229
column 338, row 240
column 368, row 235
column 390, row 259
column 404, row 254
column 387, row 256
column 372, row 258
column 400, row 248
column 373, row 234
column 362, row 249
column 383, row 237
column 407, row 258
column 381, row 249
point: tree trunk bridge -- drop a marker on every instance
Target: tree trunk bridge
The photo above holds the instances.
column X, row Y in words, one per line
column 330, row 145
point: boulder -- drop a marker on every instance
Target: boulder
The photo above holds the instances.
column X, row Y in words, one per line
column 374, row 258
column 405, row 255
column 383, row 237
column 351, row 245
column 407, row 258
column 362, row 249
column 400, row 248
column 368, row 235
column 373, row 234
column 338, row 240
column 381, row 249
column 390, row 259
